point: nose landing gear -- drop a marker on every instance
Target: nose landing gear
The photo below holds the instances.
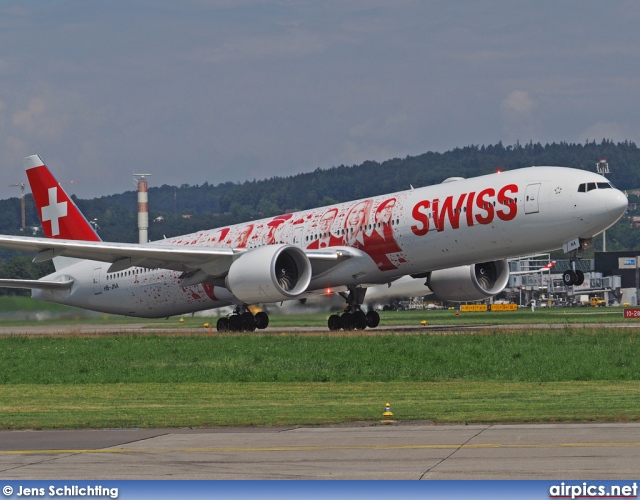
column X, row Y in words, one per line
column 573, row 276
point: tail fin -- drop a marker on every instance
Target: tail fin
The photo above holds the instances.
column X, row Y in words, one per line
column 59, row 215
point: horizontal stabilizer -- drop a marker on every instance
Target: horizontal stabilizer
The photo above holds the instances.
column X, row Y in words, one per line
column 36, row 284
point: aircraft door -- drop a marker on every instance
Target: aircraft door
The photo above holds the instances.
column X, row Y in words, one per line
column 298, row 232
column 531, row 199
column 97, row 289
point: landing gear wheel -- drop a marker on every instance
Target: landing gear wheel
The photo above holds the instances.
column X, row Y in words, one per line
column 569, row 278
column 346, row 321
column 359, row 320
column 262, row 320
column 575, row 277
column 334, row 322
column 353, row 318
column 247, row 322
column 222, row 325
column 234, row 323
column 373, row 319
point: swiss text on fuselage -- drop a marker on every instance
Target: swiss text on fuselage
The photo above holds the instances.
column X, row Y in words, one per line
column 468, row 208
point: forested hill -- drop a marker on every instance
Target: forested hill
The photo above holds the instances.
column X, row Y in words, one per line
column 211, row 205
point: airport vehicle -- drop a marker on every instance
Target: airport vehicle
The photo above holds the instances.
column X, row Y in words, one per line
column 582, row 300
column 456, row 236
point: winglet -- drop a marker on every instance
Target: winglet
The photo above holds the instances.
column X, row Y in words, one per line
column 59, row 215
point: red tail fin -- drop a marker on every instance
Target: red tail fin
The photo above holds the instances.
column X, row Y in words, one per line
column 59, row 215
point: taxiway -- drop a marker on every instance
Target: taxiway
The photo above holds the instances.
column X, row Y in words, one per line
column 392, row 451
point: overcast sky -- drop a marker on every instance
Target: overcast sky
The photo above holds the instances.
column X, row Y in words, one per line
column 194, row 90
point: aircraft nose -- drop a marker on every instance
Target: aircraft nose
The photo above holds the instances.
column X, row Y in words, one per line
column 617, row 202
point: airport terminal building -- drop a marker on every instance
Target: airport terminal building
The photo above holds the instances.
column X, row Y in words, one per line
column 611, row 276
column 625, row 265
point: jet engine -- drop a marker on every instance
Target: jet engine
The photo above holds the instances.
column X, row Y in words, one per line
column 270, row 273
column 468, row 283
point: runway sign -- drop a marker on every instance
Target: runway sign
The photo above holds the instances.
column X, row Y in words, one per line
column 632, row 312
column 473, row 308
column 504, row 307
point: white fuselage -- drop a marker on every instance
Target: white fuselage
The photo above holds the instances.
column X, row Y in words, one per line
column 455, row 223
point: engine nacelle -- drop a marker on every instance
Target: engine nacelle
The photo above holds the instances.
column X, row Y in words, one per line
column 270, row 273
column 468, row 283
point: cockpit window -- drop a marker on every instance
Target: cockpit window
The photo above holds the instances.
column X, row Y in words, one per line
column 589, row 186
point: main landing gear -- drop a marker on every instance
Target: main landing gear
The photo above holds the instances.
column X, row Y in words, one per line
column 243, row 320
column 353, row 318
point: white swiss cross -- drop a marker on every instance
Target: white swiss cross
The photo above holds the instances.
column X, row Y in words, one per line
column 54, row 211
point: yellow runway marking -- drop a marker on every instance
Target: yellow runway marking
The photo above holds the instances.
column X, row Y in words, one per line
column 322, row 448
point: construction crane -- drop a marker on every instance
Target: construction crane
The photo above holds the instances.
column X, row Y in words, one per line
column 23, row 210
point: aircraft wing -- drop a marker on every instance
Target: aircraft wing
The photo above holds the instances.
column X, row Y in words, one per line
column 405, row 286
column 123, row 255
column 215, row 262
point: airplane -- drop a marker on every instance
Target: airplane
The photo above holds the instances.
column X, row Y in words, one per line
column 408, row 286
column 542, row 269
column 456, row 235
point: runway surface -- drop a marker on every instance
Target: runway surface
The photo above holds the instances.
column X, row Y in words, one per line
column 391, row 451
column 146, row 329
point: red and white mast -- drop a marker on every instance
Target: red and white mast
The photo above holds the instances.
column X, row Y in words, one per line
column 143, row 207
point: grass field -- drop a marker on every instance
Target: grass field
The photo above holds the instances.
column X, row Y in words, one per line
column 544, row 356
column 567, row 374
column 40, row 406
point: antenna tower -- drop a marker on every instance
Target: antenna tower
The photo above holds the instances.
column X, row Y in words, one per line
column 602, row 167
